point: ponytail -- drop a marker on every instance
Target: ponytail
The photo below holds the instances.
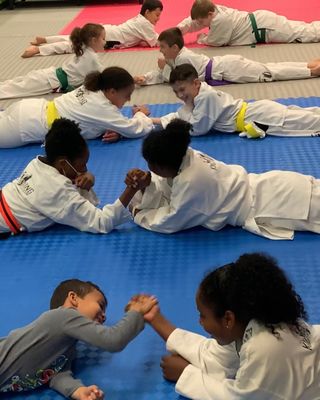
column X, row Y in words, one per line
column 167, row 147
column 81, row 37
column 110, row 78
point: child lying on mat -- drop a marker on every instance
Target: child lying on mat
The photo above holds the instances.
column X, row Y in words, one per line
column 86, row 41
column 260, row 346
column 137, row 31
column 221, row 70
column 206, row 108
column 42, row 352
column 228, row 26
column 57, row 188
column 189, row 188
column 96, row 106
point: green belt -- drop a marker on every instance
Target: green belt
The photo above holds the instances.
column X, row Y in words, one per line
column 259, row 33
column 63, row 79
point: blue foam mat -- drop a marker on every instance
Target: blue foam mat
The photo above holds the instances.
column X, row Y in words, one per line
column 131, row 260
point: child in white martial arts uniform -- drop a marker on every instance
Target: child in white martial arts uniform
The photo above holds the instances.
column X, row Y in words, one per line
column 260, row 348
column 137, row 31
column 189, row 188
column 231, row 27
column 42, row 352
column 58, row 189
column 220, row 70
column 86, row 41
column 95, row 106
column 206, row 108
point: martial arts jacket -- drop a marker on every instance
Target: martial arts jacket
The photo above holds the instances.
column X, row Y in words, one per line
column 212, row 194
column 132, row 32
column 41, row 196
column 263, row 367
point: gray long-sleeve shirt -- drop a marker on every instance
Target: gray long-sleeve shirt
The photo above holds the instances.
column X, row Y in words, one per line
column 42, row 352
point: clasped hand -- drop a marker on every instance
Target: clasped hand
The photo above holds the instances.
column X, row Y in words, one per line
column 138, row 179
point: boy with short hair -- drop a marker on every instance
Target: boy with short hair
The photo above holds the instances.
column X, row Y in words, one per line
column 231, row 27
column 137, row 31
column 221, row 70
column 42, row 352
column 206, row 108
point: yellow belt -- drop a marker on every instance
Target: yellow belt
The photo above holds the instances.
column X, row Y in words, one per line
column 52, row 113
column 240, row 124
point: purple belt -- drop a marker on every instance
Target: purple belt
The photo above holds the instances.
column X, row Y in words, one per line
column 208, row 77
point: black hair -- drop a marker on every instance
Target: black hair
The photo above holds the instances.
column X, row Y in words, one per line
column 64, row 140
column 201, row 9
column 168, row 146
column 81, row 36
column 183, row 72
column 150, row 5
column 81, row 288
column 253, row 287
column 110, row 78
column 172, row 36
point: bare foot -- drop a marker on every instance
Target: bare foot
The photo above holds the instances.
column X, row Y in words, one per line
column 30, row 51
column 38, row 40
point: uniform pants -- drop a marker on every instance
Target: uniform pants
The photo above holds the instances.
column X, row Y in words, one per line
column 282, row 30
column 9, row 127
column 35, row 83
column 312, row 224
column 235, row 68
column 56, row 45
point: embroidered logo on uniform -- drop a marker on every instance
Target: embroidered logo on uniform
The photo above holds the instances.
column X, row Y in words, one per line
column 80, row 96
column 41, row 377
column 23, row 181
column 247, row 335
column 208, row 160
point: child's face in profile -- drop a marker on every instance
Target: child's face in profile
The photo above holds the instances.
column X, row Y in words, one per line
column 153, row 16
column 98, row 43
column 93, row 306
column 216, row 327
column 75, row 168
column 205, row 21
column 186, row 90
column 121, row 96
column 169, row 52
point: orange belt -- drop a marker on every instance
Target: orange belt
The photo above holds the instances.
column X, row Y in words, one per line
column 8, row 217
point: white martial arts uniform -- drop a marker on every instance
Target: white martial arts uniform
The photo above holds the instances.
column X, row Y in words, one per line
column 43, row 81
column 25, row 121
column 232, row 68
column 129, row 34
column 266, row 367
column 232, row 27
column 214, row 109
column 212, row 194
column 41, row 196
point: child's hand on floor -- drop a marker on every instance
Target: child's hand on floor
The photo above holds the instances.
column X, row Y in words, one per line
column 85, row 181
column 143, row 44
column 111, row 137
column 142, row 303
column 88, row 393
column 173, row 366
column 139, row 80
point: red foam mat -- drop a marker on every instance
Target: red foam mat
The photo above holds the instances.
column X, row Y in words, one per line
column 175, row 10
